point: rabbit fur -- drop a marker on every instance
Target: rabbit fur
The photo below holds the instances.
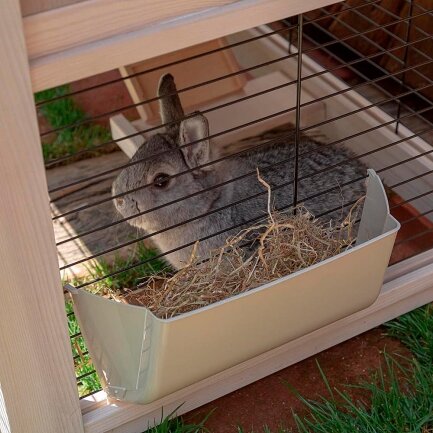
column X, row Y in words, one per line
column 162, row 156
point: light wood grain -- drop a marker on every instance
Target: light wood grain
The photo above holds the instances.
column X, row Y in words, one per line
column 397, row 297
column 93, row 20
column 29, row 7
column 204, row 69
column 131, row 45
column 36, row 369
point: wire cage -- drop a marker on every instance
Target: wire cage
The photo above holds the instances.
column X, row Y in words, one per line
column 352, row 76
column 356, row 75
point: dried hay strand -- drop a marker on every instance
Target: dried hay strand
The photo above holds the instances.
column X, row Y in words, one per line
column 286, row 242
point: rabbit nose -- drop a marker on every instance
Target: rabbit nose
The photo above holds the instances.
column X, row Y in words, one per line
column 120, row 201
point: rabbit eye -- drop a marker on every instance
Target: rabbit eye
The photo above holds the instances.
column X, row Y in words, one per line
column 161, row 180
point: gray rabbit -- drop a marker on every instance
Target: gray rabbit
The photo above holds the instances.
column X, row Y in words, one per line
column 274, row 161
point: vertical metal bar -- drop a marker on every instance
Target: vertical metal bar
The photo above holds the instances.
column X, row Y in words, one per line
column 406, row 53
column 298, row 111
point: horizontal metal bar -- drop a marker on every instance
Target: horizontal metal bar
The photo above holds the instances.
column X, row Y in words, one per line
column 362, row 34
column 122, row 220
column 375, row 104
column 157, row 98
column 154, row 128
column 374, row 65
column 77, row 334
column 417, row 197
column 261, row 193
column 130, row 106
column 143, row 262
column 364, row 83
column 416, row 217
column 131, row 163
column 189, row 58
column 82, row 376
column 253, row 172
column 416, row 236
column 213, row 162
column 165, row 65
column 80, row 355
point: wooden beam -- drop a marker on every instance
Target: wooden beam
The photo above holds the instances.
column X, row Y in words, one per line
column 37, row 380
column 92, row 20
column 128, row 44
column 397, row 297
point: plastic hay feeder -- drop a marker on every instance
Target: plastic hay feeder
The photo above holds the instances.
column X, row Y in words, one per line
column 141, row 358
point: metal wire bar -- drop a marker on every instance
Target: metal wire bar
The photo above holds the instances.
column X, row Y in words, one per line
column 165, row 65
column 245, row 175
column 369, row 81
column 362, row 84
column 298, row 112
column 131, row 163
column 411, row 238
column 358, row 110
column 77, row 334
column 157, row 98
column 406, row 51
column 112, row 170
column 96, row 147
column 411, row 199
column 189, row 58
column 416, row 217
column 80, row 355
column 143, row 262
column 362, row 34
column 375, row 65
column 344, row 64
column 395, row 36
column 381, row 8
column 192, row 87
column 329, row 168
column 406, row 40
column 82, row 376
column 163, row 125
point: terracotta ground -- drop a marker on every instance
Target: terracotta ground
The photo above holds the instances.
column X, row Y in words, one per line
column 268, row 401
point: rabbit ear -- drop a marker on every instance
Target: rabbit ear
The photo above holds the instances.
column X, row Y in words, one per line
column 193, row 129
column 170, row 107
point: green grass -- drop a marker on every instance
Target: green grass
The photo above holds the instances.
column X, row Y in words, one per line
column 82, row 362
column 415, row 331
column 171, row 424
column 125, row 280
column 64, row 112
column 400, row 392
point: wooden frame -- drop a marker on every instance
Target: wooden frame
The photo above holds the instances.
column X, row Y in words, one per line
column 37, row 381
column 93, row 49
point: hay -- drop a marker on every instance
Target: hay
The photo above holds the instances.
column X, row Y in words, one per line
column 286, row 243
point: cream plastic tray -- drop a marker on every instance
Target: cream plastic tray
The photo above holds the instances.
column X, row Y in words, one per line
column 141, row 358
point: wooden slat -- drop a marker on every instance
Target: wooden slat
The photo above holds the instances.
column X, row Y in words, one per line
column 130, row 45
column 93, row 20
column 397, row 297
column 30, row 7
column 38, row 389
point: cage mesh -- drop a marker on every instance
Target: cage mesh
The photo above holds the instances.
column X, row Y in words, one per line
column 380, row 50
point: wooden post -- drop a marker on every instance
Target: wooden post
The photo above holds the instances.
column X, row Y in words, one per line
column 37, row 380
